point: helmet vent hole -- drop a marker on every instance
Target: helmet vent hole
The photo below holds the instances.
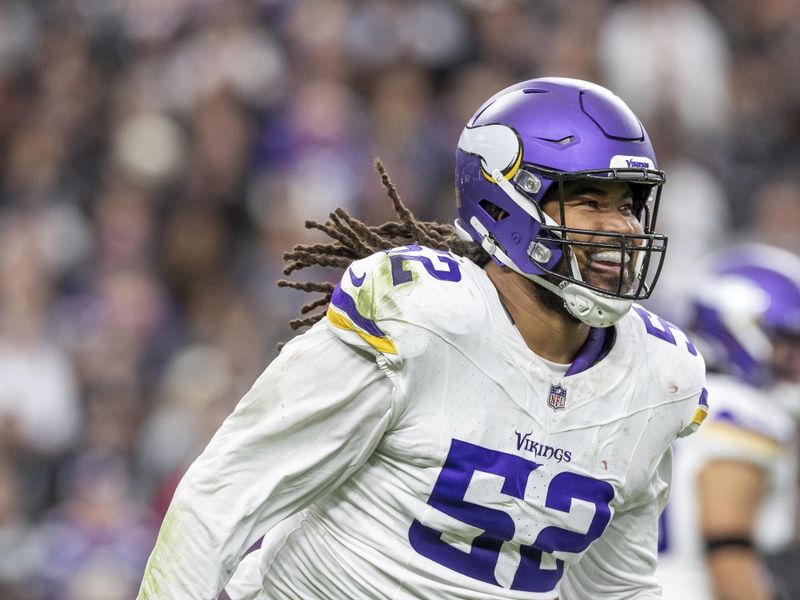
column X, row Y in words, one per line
column 534, row 91
column 496, row 213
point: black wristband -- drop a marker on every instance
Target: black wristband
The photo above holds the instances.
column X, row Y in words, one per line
column 717, row 543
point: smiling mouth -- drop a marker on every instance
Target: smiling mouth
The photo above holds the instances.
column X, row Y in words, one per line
column 609, row 261
column 609, row 270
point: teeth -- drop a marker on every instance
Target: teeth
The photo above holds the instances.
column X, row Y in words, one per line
column 615, row 256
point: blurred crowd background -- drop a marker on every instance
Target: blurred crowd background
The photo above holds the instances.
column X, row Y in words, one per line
column 157, row 156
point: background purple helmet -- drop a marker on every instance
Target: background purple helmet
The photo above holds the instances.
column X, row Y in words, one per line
column 749, row 299
column 538, row 134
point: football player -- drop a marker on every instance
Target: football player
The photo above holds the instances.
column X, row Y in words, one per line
column 483, row 412
column 736, row 481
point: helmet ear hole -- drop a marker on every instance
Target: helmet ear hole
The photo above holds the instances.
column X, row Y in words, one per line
column 496, row 213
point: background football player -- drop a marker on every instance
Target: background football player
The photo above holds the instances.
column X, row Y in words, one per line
column 736, row 481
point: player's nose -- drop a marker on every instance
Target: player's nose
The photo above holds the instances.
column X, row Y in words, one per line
column 614, row 220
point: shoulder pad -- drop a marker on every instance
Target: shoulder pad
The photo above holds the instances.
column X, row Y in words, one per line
column 677, row 362
column 669, row 350
column 662, row 329
column 401, row 284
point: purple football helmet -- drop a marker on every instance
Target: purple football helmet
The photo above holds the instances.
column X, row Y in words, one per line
column 748, row 303
column 542, row 133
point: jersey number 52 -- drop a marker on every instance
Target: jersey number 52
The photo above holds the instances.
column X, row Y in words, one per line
column 481, row 559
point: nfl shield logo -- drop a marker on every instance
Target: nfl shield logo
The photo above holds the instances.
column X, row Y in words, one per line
column 557, row 398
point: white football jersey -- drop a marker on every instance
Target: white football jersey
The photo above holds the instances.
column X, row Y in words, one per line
column 746, row 425
column 411, row 446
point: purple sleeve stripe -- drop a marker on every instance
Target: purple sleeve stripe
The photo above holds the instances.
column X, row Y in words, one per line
column 703, row 398
column 341, row 300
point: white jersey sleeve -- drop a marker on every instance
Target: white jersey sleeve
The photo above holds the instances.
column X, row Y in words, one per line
column 387, row 305
column 307, row 424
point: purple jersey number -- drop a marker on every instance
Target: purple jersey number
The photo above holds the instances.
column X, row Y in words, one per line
column 415, row 252
column 448, row 496
column 663, row 330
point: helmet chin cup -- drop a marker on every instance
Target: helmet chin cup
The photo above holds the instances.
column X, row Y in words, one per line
column 593, row 308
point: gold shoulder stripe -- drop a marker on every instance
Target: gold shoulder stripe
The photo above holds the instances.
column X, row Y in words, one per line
column 381, row 344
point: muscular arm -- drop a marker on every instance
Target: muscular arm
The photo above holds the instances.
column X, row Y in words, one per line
column 730, row 492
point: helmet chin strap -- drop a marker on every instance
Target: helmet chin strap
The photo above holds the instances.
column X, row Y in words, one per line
column 588, row 306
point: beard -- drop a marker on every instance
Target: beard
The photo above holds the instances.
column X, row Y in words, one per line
column 548, row 299
column 618, row 280
column 619, row 283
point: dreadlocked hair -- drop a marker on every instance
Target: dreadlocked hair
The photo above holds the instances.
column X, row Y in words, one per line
column 353, row 239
